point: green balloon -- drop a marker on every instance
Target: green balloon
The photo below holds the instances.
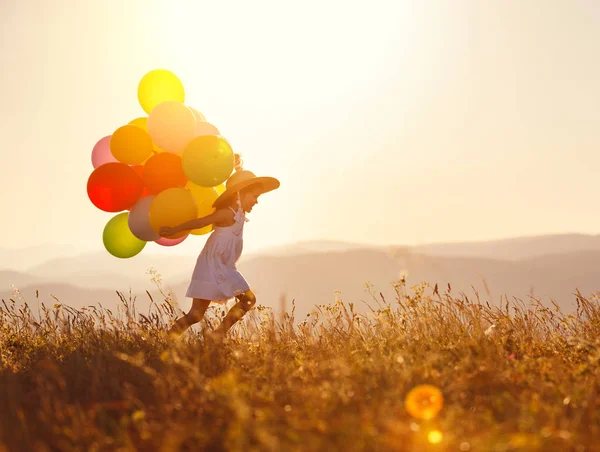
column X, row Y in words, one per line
column 208, row 160
column 118, row 238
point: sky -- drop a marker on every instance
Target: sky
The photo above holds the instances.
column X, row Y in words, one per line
column 386, row 122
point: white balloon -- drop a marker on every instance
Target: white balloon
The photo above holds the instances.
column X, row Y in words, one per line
column 139, row 220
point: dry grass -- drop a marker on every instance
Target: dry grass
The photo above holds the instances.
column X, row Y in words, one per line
column 97, row 380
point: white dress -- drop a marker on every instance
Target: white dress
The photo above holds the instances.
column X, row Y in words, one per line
column 215, row 276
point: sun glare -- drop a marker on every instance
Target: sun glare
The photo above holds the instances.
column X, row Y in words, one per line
column 303, row 58
column 282, row 89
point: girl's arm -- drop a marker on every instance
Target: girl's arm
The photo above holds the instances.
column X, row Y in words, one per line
column 219, row 216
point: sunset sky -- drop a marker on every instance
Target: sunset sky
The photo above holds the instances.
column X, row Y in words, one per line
column 387, row 122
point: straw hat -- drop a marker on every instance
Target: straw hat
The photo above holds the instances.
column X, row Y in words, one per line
column 242, row 179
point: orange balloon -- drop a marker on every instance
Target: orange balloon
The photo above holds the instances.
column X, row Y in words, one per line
column 205, row 197
column 130, row 144
column 173, row 207
column 142, row 123
column 163, row 171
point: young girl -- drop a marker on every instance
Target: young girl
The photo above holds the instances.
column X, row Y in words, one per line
column 215, row 276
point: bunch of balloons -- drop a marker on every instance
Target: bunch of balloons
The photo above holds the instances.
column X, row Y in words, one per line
column 158, row 170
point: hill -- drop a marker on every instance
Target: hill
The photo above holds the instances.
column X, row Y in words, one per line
column 319, row 278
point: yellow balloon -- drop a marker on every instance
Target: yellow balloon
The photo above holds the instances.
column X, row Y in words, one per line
column 118, row 238
column 172, row 207
column 208, row 160
column 142, row 123
column 131, row 145
column 220, row 188
column 205, row 197
column 171, row 126
column 158, row 86
column 202, row 231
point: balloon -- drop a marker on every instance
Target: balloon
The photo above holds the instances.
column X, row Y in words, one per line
column 205, row 197
column 118, row 239
column 173, row 207
column 130, row 144
column 114, row 187
column 142, row 124
column 164, row 171
column 208, row 160
column 139, row 220
column 158, row 86
column 199, row 116
column 171, row 242
column 205, row 128
column 101, row 153
column 139, row 169
column 202, row 231
column 220, row 188
column 171, row 126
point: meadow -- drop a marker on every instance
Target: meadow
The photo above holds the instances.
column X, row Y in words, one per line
column 517, row 375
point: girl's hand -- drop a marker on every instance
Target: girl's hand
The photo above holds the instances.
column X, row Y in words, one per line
column 166, row 231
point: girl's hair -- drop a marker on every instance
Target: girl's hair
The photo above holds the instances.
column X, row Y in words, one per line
column 238, row 162
column 237, row 166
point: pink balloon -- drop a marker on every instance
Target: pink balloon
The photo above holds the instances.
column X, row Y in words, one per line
column 101, row 153
column 164, row 241
column 205, row 128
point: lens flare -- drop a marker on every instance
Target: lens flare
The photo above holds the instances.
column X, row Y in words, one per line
column 435, row 437
column 424, row 402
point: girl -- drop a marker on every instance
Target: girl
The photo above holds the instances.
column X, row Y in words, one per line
column 215, row 276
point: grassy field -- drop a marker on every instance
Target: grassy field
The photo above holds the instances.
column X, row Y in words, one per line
column 519, row 376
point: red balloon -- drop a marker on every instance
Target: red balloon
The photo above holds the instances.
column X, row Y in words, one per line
column 114, row 187
column 162, row 171
column 139, row 169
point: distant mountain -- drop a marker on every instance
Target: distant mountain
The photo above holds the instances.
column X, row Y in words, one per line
column 503, row 249
column 514, row 248
column 314, row 278
column 99, row 269
column 22, row 259
column 8, row 278
column 516, row 267
column 313, row 246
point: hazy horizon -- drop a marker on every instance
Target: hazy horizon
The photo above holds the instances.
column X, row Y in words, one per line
column 388, row 123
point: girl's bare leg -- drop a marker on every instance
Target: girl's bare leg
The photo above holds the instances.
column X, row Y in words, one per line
column 196, row 313
column 244, row 304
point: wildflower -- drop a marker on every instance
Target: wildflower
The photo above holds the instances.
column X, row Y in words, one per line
column 490, row 330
